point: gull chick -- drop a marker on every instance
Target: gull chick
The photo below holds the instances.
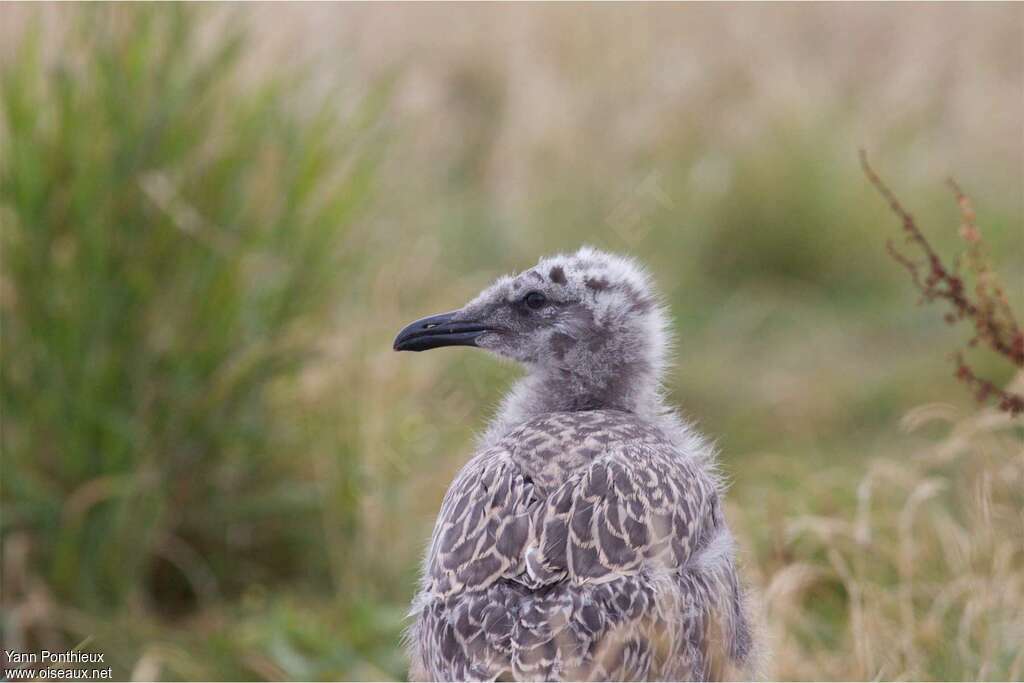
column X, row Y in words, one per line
column 585, row 539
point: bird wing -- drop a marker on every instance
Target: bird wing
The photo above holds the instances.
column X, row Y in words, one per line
column 629, row 505
column 484, row 526
column 637, row 505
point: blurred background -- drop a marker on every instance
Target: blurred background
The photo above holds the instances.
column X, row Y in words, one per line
column 215, row 219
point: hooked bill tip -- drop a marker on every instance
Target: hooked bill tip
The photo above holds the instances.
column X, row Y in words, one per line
column 436, row 331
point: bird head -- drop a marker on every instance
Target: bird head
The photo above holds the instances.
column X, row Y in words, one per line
column 590, row 317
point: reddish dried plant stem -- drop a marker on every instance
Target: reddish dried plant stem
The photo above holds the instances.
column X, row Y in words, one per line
column 995, row 324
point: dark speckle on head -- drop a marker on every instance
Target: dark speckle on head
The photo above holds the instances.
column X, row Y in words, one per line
column 639, row 302
column 561, row 343
column 537, row 276
column 558, row 275
column 598, row 283
column 597, row 340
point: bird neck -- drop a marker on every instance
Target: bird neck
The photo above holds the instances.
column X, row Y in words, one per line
column 551, row 390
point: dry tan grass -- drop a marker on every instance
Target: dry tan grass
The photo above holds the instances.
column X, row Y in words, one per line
column 927, row 576
column 620, row 85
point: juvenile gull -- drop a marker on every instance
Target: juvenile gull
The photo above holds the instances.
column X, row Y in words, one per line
column 585, row 538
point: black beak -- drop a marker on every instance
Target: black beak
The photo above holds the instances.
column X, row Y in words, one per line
column 437, row 331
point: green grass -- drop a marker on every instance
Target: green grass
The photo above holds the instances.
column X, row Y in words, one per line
column 174, row 245
column 214, row 467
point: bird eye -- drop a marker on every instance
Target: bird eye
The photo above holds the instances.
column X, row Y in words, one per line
column 535, row 300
